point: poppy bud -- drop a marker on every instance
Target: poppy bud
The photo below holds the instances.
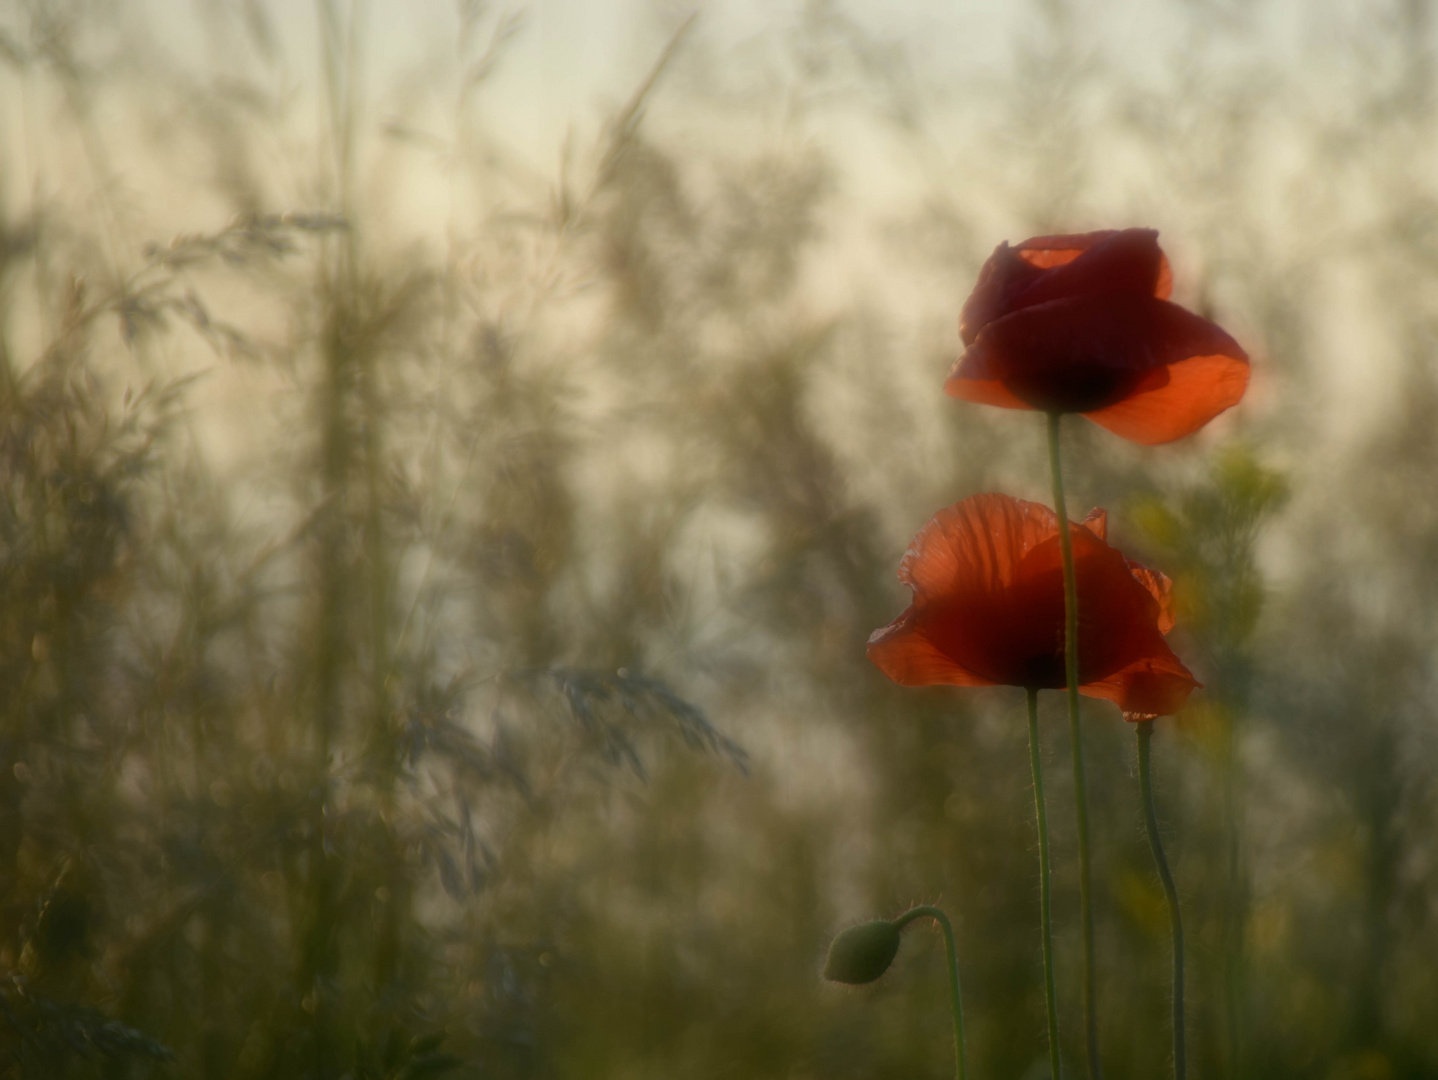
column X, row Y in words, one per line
column 862, row 953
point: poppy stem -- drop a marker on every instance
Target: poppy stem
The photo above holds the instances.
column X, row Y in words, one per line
column 1090, row 1004
column 1044, row 900
column 1145, row 777
column 956, row 1002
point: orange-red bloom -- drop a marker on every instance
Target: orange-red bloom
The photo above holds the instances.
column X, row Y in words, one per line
column 1083, row 324
column 988, row 610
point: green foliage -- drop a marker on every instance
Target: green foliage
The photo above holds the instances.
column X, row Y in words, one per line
column 1209, row 535
column 45, row 1038
column 397, row 1057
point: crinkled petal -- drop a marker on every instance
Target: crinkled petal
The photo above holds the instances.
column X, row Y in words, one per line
column 906, row 654
column 974, row 546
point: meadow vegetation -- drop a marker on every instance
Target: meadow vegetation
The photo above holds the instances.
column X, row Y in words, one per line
column 433, row 595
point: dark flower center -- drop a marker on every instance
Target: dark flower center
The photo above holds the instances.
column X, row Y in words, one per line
column 1044, row 672
column 1080, row 386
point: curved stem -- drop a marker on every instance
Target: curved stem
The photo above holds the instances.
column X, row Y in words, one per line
column 1145, row 778
column 1090, row 1004
column 1044, row 901
column 961, row 1052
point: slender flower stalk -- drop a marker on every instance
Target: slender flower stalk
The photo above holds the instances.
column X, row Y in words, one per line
column 1233, row 906
column 1145, row 776
column 1090, row 1004
column 956, row 1002
column 1044, row 899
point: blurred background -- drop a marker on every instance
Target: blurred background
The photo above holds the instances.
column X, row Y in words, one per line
column 454, row 454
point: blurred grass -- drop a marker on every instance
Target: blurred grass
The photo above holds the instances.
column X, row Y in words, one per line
column 433, row 635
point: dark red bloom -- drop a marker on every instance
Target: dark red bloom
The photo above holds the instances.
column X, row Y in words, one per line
column 1083, row 324
column 988, row 610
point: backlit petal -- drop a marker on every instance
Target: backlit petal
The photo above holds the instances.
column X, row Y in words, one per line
column 1093, row 353
column 1153, row 686
column 1097, row 522
column 1160, row 588
column 904, row 653
column 1195, row 390
column 982, row 391
column 1047, row 258
column 974, row 546
column 988, row 609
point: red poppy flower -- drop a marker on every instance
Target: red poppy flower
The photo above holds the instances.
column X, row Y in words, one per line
column 988, row 610
column 1083, row 324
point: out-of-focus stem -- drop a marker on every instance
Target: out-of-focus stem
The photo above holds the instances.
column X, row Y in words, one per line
column 1090, row 1004
column 319, row 963
column 956, row 1002
column 1045, row 904
column 1233, row 908
column 1145, row 777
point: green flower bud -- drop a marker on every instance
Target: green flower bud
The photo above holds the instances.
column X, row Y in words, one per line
column 862, row 953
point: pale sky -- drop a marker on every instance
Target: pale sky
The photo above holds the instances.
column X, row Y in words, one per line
column 571, row 58
column 574, row 60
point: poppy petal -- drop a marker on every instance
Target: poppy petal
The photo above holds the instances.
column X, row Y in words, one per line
column 1003, row 276
column 1097, row 522
column 1047, row 252
column 1153, row 686
column 1127, row 260
column 1160, row 588
column 977, row 543
column 1196, row 390
column 1072, row 355
column 1045, row 258
column 1045, row 268
column 1163, row 287
column 1091, row 353
column 982, row 391
column 1158, row 585
column 1118, row 615
column 906, row 654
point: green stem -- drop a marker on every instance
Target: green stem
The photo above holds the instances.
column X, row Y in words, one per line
column 1090, row 1004
column 1145, row 777
column 961, row 1052
column 1233, row 904
column 1044, row 900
